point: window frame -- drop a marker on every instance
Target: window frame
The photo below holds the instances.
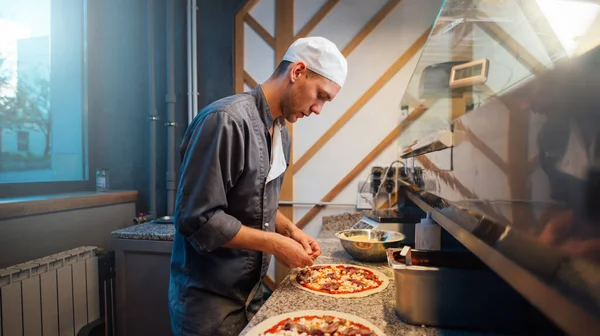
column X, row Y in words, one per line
column 25, row 189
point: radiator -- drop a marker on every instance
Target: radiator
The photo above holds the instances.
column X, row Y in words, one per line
column 52, row 296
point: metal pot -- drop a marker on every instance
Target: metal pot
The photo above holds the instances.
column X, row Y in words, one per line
column 453, row 289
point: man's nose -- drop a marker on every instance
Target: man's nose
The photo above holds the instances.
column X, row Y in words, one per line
column 316, row 108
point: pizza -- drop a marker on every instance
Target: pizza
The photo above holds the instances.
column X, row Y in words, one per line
column 339, row 280
column 314, row 322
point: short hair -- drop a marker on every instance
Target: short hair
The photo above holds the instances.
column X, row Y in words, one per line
column 281, row 69
column 284, row 66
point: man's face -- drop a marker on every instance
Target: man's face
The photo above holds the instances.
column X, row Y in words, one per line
column 306, row 93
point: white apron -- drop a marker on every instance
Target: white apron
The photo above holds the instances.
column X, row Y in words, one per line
column 278, row 163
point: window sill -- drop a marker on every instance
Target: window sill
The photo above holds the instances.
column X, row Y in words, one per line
column 35, row 205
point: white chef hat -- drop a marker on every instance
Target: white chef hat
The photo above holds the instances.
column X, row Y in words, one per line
column 321, row 56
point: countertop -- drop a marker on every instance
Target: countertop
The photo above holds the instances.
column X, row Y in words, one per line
column 377, row 308
column 146, row 231
column 154, row 231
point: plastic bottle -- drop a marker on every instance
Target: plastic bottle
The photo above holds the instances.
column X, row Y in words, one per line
column 428, row 234
column 101, row 179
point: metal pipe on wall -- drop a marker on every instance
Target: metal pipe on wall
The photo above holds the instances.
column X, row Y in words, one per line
column 170, row 100
column 190, row 88
column 194, row 60
column 153, row 118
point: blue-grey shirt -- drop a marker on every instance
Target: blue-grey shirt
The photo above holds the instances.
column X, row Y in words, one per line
column 225, row 161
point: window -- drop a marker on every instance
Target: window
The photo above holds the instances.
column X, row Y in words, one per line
column 573, row 23
column 42, row 92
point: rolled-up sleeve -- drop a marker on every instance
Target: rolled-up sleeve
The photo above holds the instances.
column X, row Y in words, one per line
column 212, row 160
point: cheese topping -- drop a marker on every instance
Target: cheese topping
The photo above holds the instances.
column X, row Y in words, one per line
column 338, row 279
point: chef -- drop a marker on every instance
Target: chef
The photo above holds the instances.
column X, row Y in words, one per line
column 234, row 157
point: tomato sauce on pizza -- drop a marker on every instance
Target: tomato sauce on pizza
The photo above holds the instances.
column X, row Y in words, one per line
column 338, row 279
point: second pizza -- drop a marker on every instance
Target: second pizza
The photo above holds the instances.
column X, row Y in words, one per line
column 339, row 280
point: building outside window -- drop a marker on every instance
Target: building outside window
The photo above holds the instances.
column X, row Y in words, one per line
column 23, row 141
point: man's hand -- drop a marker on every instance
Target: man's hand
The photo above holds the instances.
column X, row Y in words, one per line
column 289, row 252
column 286, row 228
column 310, row 245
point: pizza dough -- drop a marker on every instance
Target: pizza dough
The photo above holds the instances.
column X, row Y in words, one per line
column 342, row 323
column 356, row 282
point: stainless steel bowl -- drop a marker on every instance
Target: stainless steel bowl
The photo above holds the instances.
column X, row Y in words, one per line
column 373, row 244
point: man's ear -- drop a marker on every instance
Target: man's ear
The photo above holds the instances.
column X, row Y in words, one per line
column 297, row 70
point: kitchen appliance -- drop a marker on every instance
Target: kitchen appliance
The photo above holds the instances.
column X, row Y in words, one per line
column 402, row 218
column 435, row 80
column 365, row 223
column 453, row 289
column 505, row 156
column 390, row 220
column 470, row 73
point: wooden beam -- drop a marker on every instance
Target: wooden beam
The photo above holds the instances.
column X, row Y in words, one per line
column 316, row 19
column 238, row 73
column 249, row 80
column 370, row 26
column 284, row 27
column 362, row 101
column 390, row 138
column 260, row 30
column 284, row 36
column 513, row 47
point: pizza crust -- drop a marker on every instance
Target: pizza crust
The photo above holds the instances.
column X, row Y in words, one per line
column 368, row 292
column 267, row 324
